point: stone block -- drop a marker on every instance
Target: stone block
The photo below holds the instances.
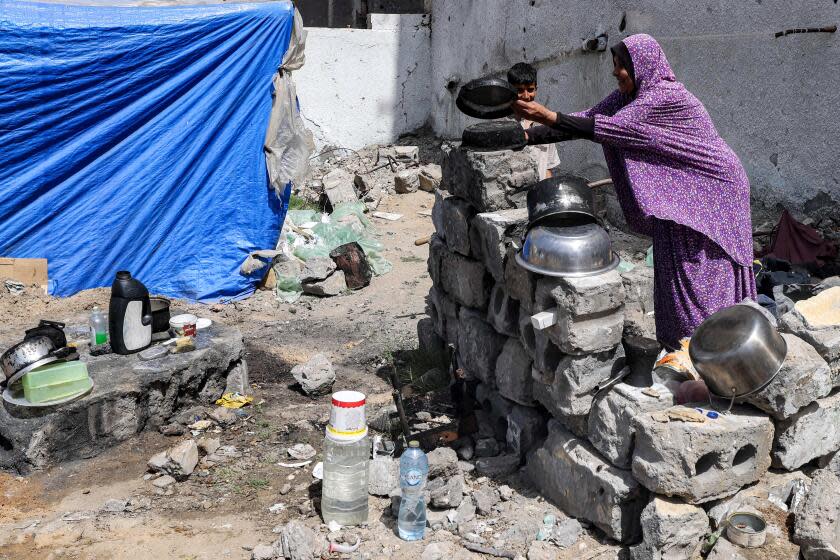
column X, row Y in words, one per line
column 701, row 461
column 810, row 433
column 437, row 212
column 825, row 340
column 503, row 312
column 400, row 153
column 589, row 295
column 437, row 248
column 610, row 427
column 817, row 528
column 465, row 280
column 803, row 378
column 338, row 187
column 569, row 472
column 492, row 232
column 428, row 340
column 672, row 530
column 497, row 467
column 407, row 181
column 430, row 177
column 479, row 346
column 513, row 373
column 457, row 215
column 519, row 282
column 545, row 354
column 587, row 334
column 490, row 180
column 443, row 462
column 527, row 428
column 568, row 392
column 446, row 492
column 496, row 408
column 639, row 320
column 444, row 314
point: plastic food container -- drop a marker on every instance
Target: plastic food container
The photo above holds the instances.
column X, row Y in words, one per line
column 55, row 381
column 184, row 325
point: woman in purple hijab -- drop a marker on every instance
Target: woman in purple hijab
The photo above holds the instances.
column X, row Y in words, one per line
column 677, row 181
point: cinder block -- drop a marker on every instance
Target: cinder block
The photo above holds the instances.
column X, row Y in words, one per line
column 527, row 428
column 428, row 340
column 610, row 420
column 545, row 354
column 497, row 407
column 444, row 313
column 639, row 320
column 479, row 346
column 437, row 248
column 503, row 312
column 810, row 433
column 671, row 530
column 568, row 392
column 825, row 340
column 701, row 461
column 457, row 215
column 513, row 373
column 492, row 232
column 588, row 334
column 490, row 180
column 437, row 212
column 519, row 283
column 569, row 472
column 803, row 378
column 589, row 295
column 465, row 280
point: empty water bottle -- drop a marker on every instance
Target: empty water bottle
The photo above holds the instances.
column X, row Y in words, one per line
column 414, row 467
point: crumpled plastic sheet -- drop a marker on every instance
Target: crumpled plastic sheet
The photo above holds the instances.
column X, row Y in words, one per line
column 322, row 234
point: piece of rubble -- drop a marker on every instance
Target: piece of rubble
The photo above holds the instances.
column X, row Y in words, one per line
column 587, row 334
column 725, row 550
column 223, row 416
column 485, row 498
column 569, row 472
column 479, row 345
column 172, row 430
column 237, row 379
column 440, row 551
column 491, row 233
column 446, row 492
column 589, row 295
column 115, row 506
column 457, row 214
column 338, row 187
column 316, row 376
column 542, row 550
column 526, row 428
column 334, row 285
column 208, row 446
column 464, row 513
column 263, row 552
column 803, row 378
column 179, row 461
column 407, row 181
column 497, row 467
column 301, row 451
column 506, row 492
column 316, row 269
column 566, row 533
column 817, row 528
column 443, row 461
column 299, row 542
column 513, row 373
column 164, row 481
column 701, row 462
column 808, row 434
column 404, row 154
column 825, row 340
column 671, row 529
column 430, row 177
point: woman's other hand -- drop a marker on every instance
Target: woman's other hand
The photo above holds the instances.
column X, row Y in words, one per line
column 533, row 111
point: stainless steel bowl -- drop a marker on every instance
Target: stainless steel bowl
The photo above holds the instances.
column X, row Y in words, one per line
column 737, row 351
column 583, row 250
column 24, row 354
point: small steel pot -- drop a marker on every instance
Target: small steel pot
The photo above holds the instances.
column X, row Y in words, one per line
column 486, row 98
column 31, row 351
column 160, row 314
column 737, row 352
column 559, row 199
column 576, row 251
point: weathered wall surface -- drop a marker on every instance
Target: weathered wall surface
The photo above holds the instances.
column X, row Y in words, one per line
column 774, row 100
column 365, row 86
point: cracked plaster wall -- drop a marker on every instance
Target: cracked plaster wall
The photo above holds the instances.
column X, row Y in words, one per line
column 366, row 86
column 774, row 100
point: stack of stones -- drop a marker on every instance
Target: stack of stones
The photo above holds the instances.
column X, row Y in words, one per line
column 627, row 460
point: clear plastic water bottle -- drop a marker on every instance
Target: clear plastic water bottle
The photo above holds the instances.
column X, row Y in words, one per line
column 414, row 468
column 344, row 494
column 98, row 327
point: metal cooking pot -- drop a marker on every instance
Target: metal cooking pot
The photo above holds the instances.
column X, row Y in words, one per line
column 160, row 314
column 737, row 351
column 31, row 353
column 505, row 134
column 559, row 198
column 486, row 98
column 576, row 251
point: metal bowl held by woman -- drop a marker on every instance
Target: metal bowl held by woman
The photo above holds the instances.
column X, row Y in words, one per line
column 560, row 200
column 583, row 250
column 737, row 352
column 486, row 98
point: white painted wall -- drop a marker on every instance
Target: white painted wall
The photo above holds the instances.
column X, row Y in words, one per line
column 366, row 86
column 776, row 101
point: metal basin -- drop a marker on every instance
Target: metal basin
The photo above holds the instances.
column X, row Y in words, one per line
column 737, row 351
column 558, row 199
column 576, row 251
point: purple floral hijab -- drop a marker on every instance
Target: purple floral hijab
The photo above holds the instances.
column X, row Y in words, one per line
column 667, row 160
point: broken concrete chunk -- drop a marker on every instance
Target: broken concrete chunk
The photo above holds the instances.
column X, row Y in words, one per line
column 208, row 446
column 497, row 467
column 334, row 285
column 479, row 346
column 587, row 334
column 503, row 312
column 825, row 340
column 513, row 373
column 299, row 542
column 493, row 231
column 491, row 180
column 222, row 416
column 407, row 181
column 465, row 280
column 443, row 462
column 810, row 433
column 316, row 269
column 430, row 177
column 571, row 474
column 446, row 493
column 817, row 528
column 405, row 154
column 485, row 498
column 338, row 187
column 437, row 212
column 590, row 295
column 725, row 550
column 316, row 376
column 671, row 529
column 178, row 461
column 164, row 481
column 701, row 462
column 457, row 214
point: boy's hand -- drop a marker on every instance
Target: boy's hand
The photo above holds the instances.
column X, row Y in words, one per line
column 533, row 111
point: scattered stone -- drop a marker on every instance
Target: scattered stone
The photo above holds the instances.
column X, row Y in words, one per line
column 485, row 499
column 317, row 269
column 671, row 529
column 808, row 434
column 446, row 493
column 542, row 550
column 443, row 461
column 466, row 467
column 115, row 506
column 201, row 425
column 383, row 475
column 334, row 285
column 825, row 340
column 465, row 512
column 526, row 429
column 486, row 447
column 430, row 177
column 301, row 451
column 208, row 446
column 439, row 551
column 566, row 533
column 237, row 379
column 223, row 416
column 457, row 214
column 173, row 429
column 817, row 528
column 435, row 519
column 263, row 552
column 285, row 489
column 316, row 376
column 506, row 493
column 338, row 187
column 179, row 461
column 407, row 181
column 497, row 467
column 164, row 481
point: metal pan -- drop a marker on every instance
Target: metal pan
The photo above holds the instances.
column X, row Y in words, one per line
column 486, row 98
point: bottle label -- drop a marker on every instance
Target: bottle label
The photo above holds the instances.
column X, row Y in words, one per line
column 413, row 477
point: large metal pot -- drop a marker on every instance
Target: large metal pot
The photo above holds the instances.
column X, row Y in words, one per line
column 160, row 314
column 560, row 200
column 737, row 352
column 486, row 98
column 29, row 354
column 577, row 251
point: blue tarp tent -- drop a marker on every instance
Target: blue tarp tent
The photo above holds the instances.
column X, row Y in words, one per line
column 131, row 138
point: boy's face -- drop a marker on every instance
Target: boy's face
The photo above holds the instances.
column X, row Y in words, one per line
column 526, row 92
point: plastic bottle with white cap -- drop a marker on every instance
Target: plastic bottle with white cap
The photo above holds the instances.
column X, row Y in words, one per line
column 344, row 495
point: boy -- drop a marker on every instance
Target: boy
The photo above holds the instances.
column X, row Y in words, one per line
column 523, row 77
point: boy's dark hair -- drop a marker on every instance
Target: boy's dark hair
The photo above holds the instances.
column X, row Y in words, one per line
column 522, row 73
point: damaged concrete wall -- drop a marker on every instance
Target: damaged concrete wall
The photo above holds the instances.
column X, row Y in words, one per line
column 366, row 86
column 774, row 100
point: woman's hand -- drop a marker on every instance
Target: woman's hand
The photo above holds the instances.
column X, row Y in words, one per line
column 533, row 111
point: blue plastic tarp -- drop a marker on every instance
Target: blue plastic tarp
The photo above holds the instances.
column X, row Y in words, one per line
column 132, row 139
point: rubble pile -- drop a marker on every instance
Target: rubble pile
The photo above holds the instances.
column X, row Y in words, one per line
column 627, row 460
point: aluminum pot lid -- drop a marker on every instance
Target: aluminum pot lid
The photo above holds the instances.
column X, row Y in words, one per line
column 486, row 98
